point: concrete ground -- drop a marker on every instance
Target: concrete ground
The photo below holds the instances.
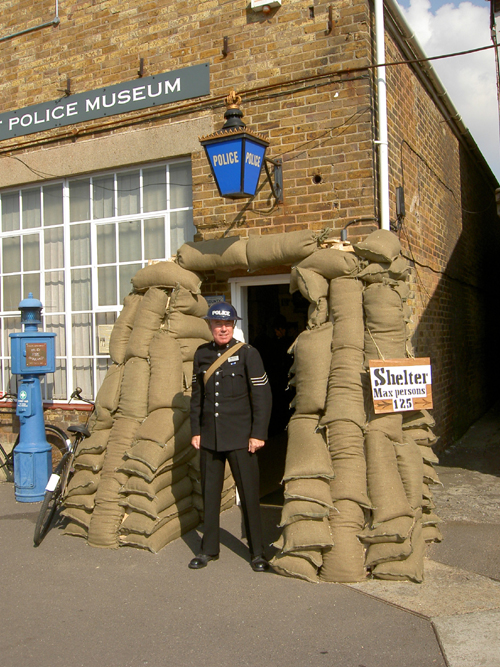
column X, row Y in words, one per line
column 65, row 603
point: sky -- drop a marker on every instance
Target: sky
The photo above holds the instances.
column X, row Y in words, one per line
column 447, row 27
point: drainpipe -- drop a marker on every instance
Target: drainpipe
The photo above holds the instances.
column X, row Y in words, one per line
column 55, row 21
column 383, row 152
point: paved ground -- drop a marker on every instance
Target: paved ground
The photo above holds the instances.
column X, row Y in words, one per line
column 66, row 603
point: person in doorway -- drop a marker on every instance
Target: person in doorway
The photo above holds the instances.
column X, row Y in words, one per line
column 230, row 411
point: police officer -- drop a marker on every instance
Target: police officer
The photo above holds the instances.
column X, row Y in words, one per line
column 230, row 411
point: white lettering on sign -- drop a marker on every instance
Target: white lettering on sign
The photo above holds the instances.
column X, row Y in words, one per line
column 252, row 159
column 226, row 158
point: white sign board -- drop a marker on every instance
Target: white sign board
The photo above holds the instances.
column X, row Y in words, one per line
column 399, row 385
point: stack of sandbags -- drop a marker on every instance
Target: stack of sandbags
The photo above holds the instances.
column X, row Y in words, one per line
column 417, row 431
column 89, row 458
column 304, row 519
column 157, row 496
column 344, row 420
column 395, row 546
column 135, row 471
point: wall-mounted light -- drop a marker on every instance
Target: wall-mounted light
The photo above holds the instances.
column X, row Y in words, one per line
column 264, row 5
column 237, row 155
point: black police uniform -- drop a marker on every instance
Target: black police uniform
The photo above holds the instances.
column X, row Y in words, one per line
column 234, row 406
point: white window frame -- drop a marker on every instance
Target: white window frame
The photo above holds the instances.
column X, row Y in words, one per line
column 67, row 357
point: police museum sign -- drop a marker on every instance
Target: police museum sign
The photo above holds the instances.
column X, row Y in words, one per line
column 181, row 84
column 399, row 385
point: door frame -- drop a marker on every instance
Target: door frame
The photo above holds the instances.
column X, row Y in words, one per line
column 239, row 292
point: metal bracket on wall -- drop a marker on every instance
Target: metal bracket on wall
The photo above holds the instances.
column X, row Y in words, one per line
column 225, row 46
column 330, row 20
column 277, row 186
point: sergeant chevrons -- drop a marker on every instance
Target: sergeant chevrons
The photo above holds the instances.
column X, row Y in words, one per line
column 236, row 403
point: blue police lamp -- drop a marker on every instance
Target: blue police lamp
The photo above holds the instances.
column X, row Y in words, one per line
column 32, row 355
column 237, row 155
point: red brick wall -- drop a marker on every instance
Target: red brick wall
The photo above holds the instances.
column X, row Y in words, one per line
column 297, row 89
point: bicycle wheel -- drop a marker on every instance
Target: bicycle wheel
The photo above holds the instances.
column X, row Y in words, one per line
column 51, row 498
column 59, row 442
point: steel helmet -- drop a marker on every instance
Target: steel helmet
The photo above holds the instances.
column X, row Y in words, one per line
column 222, row 311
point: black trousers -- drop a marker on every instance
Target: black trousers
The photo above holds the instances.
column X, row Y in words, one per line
column 245, row 469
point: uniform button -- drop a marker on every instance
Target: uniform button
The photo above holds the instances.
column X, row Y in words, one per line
column 218, row 354
column 216, row 393
column 216, row 384
column 216, row 414
column 232, row 374
column 216, row 405
column 216, row 372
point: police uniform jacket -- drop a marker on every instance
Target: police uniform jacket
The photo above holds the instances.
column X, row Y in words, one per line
column 236, row 403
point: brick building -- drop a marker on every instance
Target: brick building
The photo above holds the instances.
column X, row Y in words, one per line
column 101, row 170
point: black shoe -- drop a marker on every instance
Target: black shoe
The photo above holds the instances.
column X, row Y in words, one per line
column 259, row 564
column 201, row 560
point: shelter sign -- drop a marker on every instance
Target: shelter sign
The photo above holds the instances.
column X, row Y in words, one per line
column 181, row 84
column 399, row 385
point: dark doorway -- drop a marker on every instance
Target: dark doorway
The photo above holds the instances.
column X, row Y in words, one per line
column 275, row 319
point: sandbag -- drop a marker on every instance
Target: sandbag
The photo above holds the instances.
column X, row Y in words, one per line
column 120, row 439
column 280, row 249
column 189, row 346
column 92, row 462
column 179, row 325
column 140, row 469
column 382, row 552
column 109, row 391
column 187, row 303
column 379, row 246
column 389, row 424
column 292, row 565
column 385, row 488
column 213, row 255
column 148, row 319
column 385, row 329
column 166, row 274
column 150, row 489
column 411, row 470
column 346, row 312
column 307, row 454
column 313, row 286
column 409, row 569
column 161, row 426
column 331, row 263
column 95, row 444
column 145, row 525
column 312, row 357
column 347, row 451
column 83, row 481
column 393, row 530
column 154, row 455
column 317, row 490
column 169, row 531
column 317, row 314
column 166, row 379
column 384, row 272
column 164, row 499
column 295, row 510
column 134, row 390
column 344, row 561
column 85, row 501
column 103, row 529
column 305, row 534
column 345, row 397
column 122, row 328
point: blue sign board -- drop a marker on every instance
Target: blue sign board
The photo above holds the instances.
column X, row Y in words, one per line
column 236, row 162
column 174, row 86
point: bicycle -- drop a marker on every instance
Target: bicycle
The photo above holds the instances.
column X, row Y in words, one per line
column 58, row 481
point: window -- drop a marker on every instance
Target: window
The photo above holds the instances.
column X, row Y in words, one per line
column 75, row 245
